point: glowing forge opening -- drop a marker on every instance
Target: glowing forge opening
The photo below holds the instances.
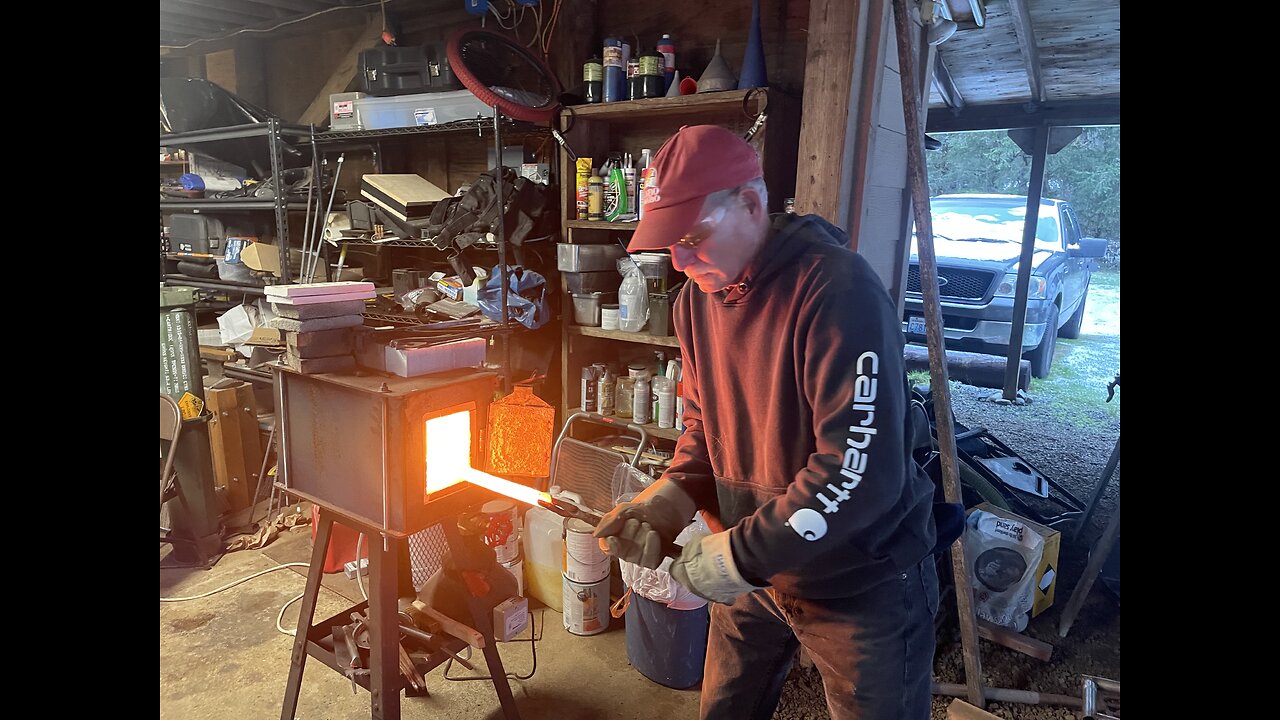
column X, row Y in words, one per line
column 448, row 461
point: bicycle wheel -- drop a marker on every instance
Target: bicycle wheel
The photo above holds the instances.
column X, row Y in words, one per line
column 504, row 73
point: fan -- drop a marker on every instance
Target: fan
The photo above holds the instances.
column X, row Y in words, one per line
column 503, row 73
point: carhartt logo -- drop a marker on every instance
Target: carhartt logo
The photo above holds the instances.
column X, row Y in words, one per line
column 808, row 524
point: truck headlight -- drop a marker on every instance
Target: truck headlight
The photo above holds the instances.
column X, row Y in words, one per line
column 1035, row 290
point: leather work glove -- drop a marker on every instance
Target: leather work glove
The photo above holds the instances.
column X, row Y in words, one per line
column 639, row 530
column 708, row 569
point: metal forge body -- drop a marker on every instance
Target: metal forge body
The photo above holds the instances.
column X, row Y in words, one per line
column 387, row 456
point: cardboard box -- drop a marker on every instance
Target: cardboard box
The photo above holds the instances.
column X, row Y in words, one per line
column 262, row 256
column 1047, row 574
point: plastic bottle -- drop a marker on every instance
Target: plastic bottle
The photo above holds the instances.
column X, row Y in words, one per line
column 665, row 389
column 606, row 385
column 595, row 197
column 593, row 80
column 641, row 402
column 667, row 48
column 614, row 70
column 588, row 389
column 617, row 193
column 642, row 174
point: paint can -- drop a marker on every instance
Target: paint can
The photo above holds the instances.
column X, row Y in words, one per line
column 586, row 607
column 584, row 561
column 500, row 532
column 516, row 568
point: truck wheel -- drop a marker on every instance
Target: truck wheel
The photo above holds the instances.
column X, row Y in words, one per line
column 1071, row 330
column 1042, row 356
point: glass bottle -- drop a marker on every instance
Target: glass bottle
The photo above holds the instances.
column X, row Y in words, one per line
column 623, row 396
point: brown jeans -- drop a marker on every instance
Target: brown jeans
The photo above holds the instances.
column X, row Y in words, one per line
column 874, row 650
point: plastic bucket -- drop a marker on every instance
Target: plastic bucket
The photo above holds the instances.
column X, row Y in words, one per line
column 586, row 607
column 584, row 561
column 667, row 646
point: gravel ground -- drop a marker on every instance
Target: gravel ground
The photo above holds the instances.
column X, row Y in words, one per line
column 1067, row 432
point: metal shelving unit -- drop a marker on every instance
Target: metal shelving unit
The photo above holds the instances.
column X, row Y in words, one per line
column 272, row 131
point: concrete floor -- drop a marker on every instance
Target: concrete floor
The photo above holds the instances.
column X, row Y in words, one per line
column 222, row 656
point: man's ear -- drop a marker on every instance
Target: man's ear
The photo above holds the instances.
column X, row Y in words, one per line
column 752, row 201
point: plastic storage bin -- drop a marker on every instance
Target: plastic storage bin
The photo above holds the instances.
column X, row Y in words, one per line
column 667, row 646
column 420, row 109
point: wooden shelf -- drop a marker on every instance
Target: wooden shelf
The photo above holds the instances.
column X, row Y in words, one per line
column 685, row 106
column 642, row 338
column 600, row 225
column 651, row 428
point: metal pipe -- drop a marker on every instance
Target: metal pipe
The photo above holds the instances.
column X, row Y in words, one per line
column 502, row 248
column 1024, row 697
column 320, row 225
column 1092, row 686
column 311, row 186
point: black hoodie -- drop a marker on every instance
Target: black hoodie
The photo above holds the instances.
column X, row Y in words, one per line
column 796, row 427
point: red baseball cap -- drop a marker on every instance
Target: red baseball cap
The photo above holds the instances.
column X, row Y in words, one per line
column 695, row 162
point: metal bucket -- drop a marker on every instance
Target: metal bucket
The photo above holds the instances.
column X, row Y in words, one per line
column 586, row 607
column 584, row 561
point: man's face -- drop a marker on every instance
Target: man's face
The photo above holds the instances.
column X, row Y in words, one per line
column 716, row 251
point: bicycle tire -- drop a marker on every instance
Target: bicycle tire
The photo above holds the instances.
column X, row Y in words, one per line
column 487, row 96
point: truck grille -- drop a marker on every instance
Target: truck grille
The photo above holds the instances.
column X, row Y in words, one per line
column 961, row 284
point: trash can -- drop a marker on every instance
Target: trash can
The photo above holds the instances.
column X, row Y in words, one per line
column 667, row 646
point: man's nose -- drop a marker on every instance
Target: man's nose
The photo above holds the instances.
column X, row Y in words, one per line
column 680, row 257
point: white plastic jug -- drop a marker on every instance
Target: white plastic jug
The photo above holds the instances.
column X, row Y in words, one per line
column 544, row 556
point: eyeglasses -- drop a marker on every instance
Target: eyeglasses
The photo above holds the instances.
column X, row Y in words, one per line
column 707, row 225
column 702, row 229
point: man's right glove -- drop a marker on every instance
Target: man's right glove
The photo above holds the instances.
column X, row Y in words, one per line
column 639, row 530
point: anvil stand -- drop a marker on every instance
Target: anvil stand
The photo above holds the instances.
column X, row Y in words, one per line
column 386, row 582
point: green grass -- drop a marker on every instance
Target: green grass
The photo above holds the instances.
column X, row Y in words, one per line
column 1076, row 390
column 1109, row 279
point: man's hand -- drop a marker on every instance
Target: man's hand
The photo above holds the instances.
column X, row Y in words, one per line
column 638, row 531
column 708, row 569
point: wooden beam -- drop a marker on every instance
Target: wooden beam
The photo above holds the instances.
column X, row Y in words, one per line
column 824, row 126
column 1024, row 644
column 908, row 34
column 1104, row 111
column 344, row 75
column 1040, row 152
column 301, row 7
column 946, row 84
column 1026, row 33
column 961, row 710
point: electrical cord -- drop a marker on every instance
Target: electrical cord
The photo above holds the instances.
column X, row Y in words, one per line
column 235, row 582
column 534, row 637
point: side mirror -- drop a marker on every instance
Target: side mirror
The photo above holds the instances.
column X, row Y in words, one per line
column 1088, row 247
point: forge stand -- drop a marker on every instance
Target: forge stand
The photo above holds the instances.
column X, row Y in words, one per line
column 387, row 581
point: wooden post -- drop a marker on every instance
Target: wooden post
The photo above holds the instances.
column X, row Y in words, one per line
column 1030, row 221
column 918, row 183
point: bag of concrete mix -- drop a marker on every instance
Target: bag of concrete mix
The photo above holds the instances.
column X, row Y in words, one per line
column 1003, row 554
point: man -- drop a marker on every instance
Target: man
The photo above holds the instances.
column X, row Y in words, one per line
column 795, row 448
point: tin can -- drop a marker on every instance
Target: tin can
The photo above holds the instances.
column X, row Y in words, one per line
column 605, row 387
column 588, row 389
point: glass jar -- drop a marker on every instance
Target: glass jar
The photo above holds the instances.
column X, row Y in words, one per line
column 622, row 397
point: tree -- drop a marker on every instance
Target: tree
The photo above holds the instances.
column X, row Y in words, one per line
column 1085, row 173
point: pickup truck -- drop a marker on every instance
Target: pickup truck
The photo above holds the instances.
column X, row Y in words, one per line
column 977, row 242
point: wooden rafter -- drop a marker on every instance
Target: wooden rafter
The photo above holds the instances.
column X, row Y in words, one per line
column 946, row 84
column 1022, row 27
column 344, row 76
column 220, row 14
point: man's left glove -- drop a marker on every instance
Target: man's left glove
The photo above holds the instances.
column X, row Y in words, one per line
column 707, row 568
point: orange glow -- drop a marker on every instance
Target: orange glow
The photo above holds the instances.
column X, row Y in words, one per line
column 448, row 459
